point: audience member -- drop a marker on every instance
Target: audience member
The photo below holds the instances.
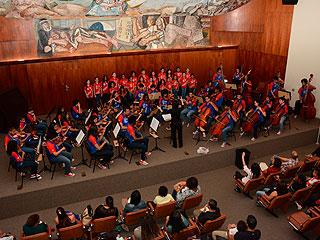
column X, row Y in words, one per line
column 6, row 236
column 134, row 203
column 65, row 218
column 163, row 197
column 176, row 222
column 271, row 193
column 209, row 212
column 298, row 182
column 147, row 230
column 288, row 162
column 275, row 167
column 182, row 190
column 315, row 177
column 232, row 229
column 250, row 233
column 106, row 210
column 34, row 225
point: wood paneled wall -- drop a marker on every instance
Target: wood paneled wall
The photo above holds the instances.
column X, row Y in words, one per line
column 43, row 83
column 261, row 29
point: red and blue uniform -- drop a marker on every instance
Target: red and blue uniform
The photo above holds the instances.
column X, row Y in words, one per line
column 205, row 105
column 146, row 107
column 52, row 148
column 139, row 95
column 219, row 100
column 8, row 138
column 216, row 79
column 75, row 112
column 237, row 76
column 273, row 88
column 17, row 158
column 164, row 103
column 239, row 102
column 192, row 103
column 123, row 119
column 130, row 133
column 29, row 118
column 92, row 141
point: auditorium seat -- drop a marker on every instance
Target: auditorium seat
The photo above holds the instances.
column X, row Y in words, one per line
column 100, row 225
column 212, row 225
column 308, row 164
column 72, row 232
column 251, row 185
column 302, row 222
column 270, row 179
column 192, row 202
column 40, row 236
column 161, row 236
column 301, row 195
column 290, row 172
column 281, row 202
column 132, row 218
column 185, row 233
column 162, row 210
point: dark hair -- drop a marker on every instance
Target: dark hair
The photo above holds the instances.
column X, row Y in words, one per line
column 192, row 183
column 135, row 197
column 64, row 220
column 317, row 171
column 218, row 88
column 251, row 222
column 255, row 169
column 152, row 86
column 12, row 147
column 302, row 177
column 104, row 78
column 218, row 69
column 32, row 220
column 213, row 204
column 283, row 99
column 163, row 191
column 176, row 222
column 51, row 133
column 277, row 163
column 132, row 73
column 132, row 119
column 304, row 80
column 140, row 85
column 109, row 201
column 93, row 130
column 281, row 189
column 75, row 102
column 275, row 78
column 149, row 228
column 241, row 226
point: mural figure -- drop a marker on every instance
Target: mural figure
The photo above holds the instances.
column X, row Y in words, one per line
column 107, row 8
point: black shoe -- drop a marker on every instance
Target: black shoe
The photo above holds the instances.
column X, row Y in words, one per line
column 237, row 190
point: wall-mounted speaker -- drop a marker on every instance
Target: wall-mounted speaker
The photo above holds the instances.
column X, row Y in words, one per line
column 289, row 2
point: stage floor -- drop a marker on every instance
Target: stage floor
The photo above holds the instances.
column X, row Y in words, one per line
column 178, row 162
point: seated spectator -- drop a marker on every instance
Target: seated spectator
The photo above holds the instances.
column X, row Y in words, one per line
column 298, row 182
column 134, row 203
column 312, row 201
column 112, row 235
column 106, row 210
column 252, row 173
column 21, row 161
column 315, row 177
column 6, row 236
column 315, row 153
column 147, row 230
column 250, row 233
column 163, row 197
column 288, row 162
column 209, row 212
column 271, row 193
column 65, row 218
column 34, row 226
column 232, row 229
column 176, row 222
column 275, row 167
column 182, row 190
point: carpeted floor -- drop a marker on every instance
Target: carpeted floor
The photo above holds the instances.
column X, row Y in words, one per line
column 217, row 184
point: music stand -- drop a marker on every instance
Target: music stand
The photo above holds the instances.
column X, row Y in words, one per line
column 116, row 131
column 80, row 139
column 89, row 115
column 45, row 168
column 154, row 126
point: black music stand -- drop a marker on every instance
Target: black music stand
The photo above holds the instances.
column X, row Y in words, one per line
column 197, row 136
column 80, row 139
column 116, row 131
column 154, row 126
column 45, row 168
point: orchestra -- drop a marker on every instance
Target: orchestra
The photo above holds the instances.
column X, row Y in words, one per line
column 133, row 103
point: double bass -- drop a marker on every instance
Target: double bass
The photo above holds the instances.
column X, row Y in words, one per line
column 227, row 93
column 308, row 111
column 247, row 94
column 251, row 121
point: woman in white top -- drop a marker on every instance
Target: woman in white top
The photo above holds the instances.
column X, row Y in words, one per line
column 252, row 173
column 163, row 197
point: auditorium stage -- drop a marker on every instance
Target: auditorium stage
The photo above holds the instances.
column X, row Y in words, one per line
column 163, row 167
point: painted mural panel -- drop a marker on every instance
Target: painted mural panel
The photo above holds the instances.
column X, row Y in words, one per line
column 66, row 8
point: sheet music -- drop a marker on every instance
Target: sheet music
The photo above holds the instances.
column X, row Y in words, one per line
column 116, row 130
column 154, row 124
column 166, row 117
column 80, row 137
column 87, row 119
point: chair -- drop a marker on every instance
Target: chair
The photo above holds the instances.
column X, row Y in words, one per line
column 315, row 188
column 132, row 218
column 51, row 164
column 133, row 152
column 287, row 122
column 281, row 202
column 162, row 210
column 251, row 185
column 40, row 236
column 232, row 133
column 72, row 232
column 192, row 202
column 290, row 172
column 187, row 232
column 20, row 170
column 308, row 165
column 301, row 195
column 160, row 237
column 100, row 225
column 302, row 223
column 92, row 158
column 213, row 225
column 270, row 179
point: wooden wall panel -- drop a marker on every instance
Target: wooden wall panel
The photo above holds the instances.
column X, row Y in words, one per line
column 43, row 83
column 261, row 29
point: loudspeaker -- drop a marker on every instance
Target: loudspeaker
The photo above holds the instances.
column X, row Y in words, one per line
column 239, row 152
column 12, row 106
column 289, row 2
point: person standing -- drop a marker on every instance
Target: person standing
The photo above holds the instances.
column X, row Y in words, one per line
column 176, row 123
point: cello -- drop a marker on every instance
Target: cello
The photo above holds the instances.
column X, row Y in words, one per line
column 275, row 118
column 247, row 93
column 251, row 121
column 217, row 128
column 308, row 111
column 202, row 120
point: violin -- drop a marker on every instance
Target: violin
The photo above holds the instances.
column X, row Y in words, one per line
column 275, row 118
column 251, row 121
column 308, row 111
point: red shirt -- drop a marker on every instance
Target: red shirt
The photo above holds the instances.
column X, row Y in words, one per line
column 169, row 85
column 178, row 74
column 175, row 84
column 183, row 82
column 188, row 76
column 105, row 87
column 162, row 76
column 134, row 80
column 154, row 80
column 97, row 88
column 116, row 82
column 192, row 83
column 131, row 87
column 88, row 91
column 124, row 82
column 112, row 90
column 145, row 77
column 162, row 87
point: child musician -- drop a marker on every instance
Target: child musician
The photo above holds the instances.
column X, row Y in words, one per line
column 88, row 91
column 97, row 89
column 282, row 106
column 137, row 141
column 239, row 106
column 139, row 93
column 190, row 110
column 192, row 83
column 146, row 108
column 184, row 85
column 237, row 76
column 302, row 92
column 232, row 119
column 105, row 90
column 175, row 86
column 76, row 111
column 218, row 78
column 131, row 88
column 273, row 88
